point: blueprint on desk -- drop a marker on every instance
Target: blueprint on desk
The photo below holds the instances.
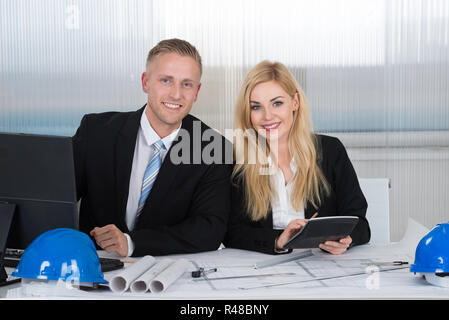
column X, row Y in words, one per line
column 355, row 268
column 352, row 275
column 318, row 271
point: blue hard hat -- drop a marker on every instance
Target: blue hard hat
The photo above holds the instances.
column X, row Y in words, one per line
column 432, row 252
column 63, row 253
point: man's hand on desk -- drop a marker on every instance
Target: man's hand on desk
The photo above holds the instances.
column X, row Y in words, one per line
column 111, row 239
column 336, row 247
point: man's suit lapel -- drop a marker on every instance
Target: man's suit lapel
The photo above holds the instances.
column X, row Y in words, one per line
column 126, row 142
column 167, row 173
column 160, row 191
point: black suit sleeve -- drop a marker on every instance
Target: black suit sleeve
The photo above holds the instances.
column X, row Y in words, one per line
column 204, row 227
column 79, row 141
column 350, row 200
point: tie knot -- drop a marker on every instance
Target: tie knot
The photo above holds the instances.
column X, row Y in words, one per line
column 158, row 146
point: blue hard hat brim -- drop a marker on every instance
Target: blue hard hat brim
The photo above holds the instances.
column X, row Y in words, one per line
column 29, row 275
column 53, row 254
column 423, row 269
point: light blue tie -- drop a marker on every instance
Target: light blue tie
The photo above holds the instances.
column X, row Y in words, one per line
column 150, row 174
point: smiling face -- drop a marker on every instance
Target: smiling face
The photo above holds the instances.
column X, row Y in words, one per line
column 272, row 110
column 172, row 83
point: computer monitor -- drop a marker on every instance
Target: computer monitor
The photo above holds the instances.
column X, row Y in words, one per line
column 37, row 175
column 6, row 215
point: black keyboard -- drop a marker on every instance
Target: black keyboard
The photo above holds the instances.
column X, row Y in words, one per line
column 12, row 259
column 10, row 263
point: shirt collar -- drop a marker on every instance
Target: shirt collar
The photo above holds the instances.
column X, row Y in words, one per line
column 293, row 166
column 278, row 178
column 151, row 136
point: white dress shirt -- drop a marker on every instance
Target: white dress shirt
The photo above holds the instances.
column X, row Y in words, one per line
column 146, row 136
column 283, row 211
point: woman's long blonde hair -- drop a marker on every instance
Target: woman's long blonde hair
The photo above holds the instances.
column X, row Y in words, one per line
column 309, row 182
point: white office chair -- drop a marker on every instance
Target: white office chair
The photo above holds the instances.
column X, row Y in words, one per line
column 378, row 214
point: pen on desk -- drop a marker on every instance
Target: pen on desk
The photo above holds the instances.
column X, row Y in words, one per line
column 201, row 272
column 128, row 261
column 387, row 263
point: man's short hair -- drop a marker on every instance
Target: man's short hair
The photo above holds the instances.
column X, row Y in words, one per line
column 181, row 47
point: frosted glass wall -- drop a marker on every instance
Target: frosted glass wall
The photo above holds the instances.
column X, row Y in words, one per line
column 376, row 73
column 372, row 65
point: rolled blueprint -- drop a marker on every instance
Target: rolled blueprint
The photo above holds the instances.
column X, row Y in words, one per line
column 142, row 284
column 169, row 275
column 121, row 282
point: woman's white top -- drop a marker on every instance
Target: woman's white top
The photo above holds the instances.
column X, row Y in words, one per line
column 283, row 211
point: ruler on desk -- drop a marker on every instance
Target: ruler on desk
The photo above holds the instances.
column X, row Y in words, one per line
column 283, row 259
column 247, row 276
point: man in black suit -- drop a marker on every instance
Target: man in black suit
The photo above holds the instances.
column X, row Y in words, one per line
column 115, row 155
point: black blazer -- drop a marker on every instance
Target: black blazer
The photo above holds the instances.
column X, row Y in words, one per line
column 346, row 198
column 188, row 207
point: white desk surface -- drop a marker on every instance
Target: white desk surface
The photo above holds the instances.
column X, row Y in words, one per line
column 395, row 284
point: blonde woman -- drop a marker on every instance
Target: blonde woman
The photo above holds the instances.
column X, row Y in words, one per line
column 284, row 173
